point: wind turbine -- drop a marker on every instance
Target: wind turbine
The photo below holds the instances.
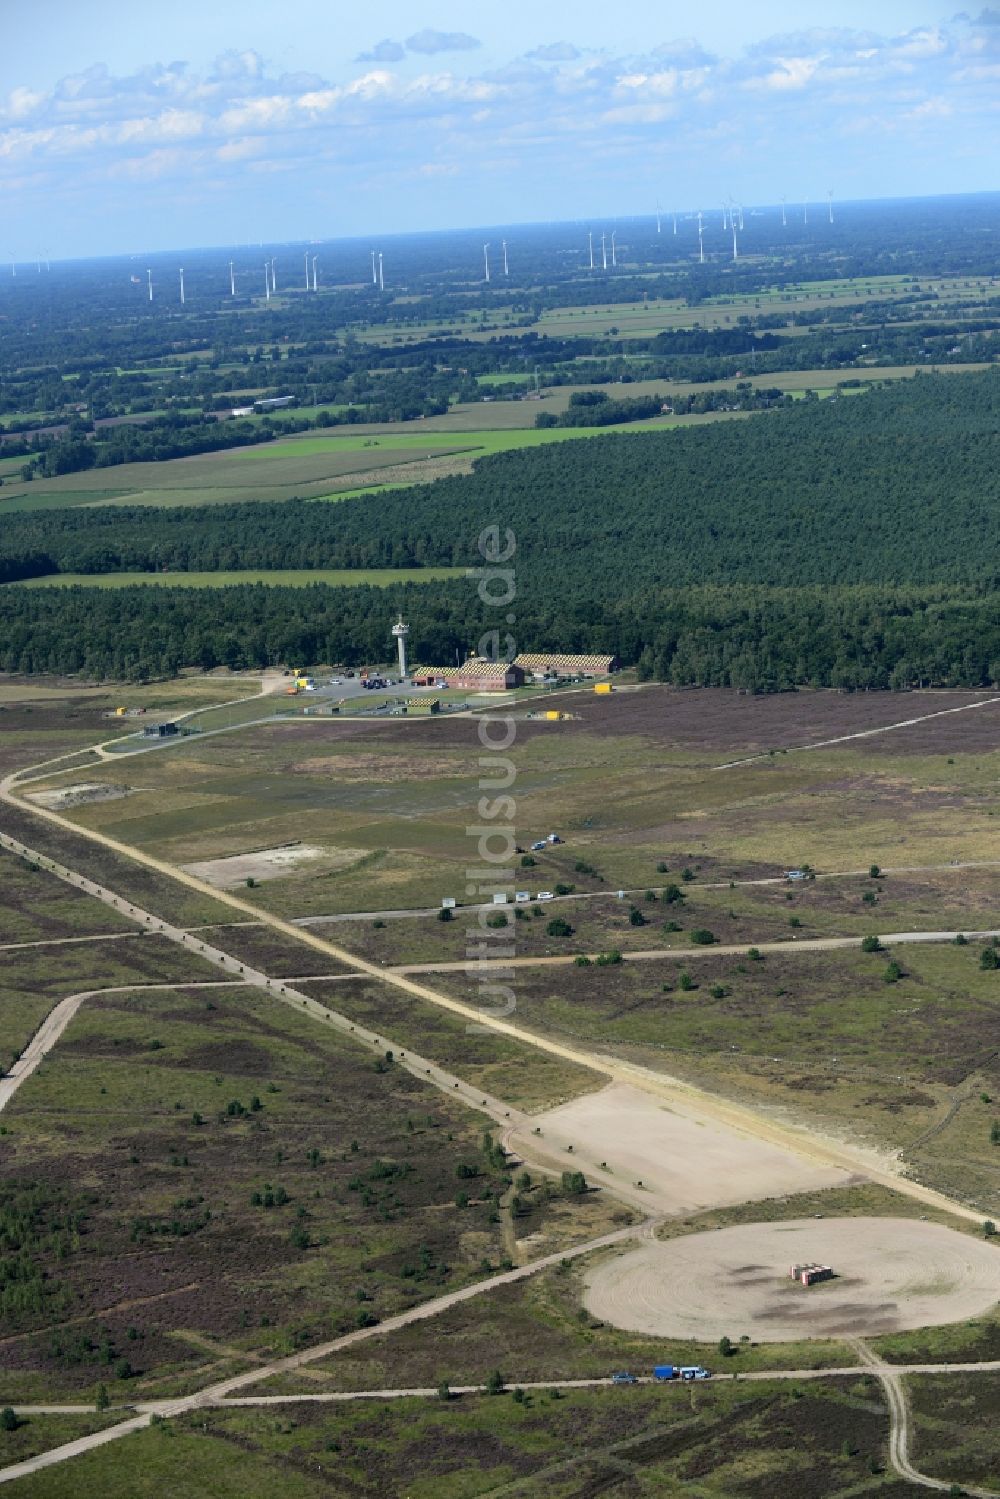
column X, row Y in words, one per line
column 182, row 285
column 307, row 270
column 315, row 288
column 590, row 246
column 614, row 258
column 274, row 278
column 784, row 221
column 505, row 270
column 675, row 221
column 232, row 280
column 149, row 279
column 740, row 211
column 701, row 242
column 486, row 260
column 725, row 223
column 267, row 282
column 13, row 263
column 374, row 272
column 604, row 251
column 829, row 203
column 805, row 211
column 658, row 216
column 736, row 253
column 381, row 278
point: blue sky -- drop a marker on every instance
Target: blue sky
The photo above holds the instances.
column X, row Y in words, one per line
column 134, row 127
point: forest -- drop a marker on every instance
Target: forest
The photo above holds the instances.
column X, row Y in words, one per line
column 849, row 542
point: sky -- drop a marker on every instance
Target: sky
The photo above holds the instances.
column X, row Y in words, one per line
column 129, row 127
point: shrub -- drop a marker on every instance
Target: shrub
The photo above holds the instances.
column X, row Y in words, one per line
column 685, row 981
column 870, row 944
column 687, row 875
column 527, row 862
column 564, row 889
column 559, row 927
column 378, row 924
column 874, row 872
column 574, row 1183
column 444, row 1390
column 582, row 961
column 672, row 894
column 446, row 914
column 718, row 991
column 606, row 959
column 702, row 937
column 499, row 920
column 495, row 1383
column 755, row 955
column 893, row 973
column 8, row 1419
column 661, row 867
column 635, row 917
column 988, row 958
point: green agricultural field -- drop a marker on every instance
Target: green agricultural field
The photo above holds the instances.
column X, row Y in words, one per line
column 310, row 467
column 288, row 578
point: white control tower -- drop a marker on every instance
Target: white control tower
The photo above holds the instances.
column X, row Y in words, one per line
column 401, row 630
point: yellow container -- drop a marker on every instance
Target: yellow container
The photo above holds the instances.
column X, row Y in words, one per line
column 602, row 687
column 552, row 714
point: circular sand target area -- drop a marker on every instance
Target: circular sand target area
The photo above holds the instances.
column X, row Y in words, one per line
column 889, row 1274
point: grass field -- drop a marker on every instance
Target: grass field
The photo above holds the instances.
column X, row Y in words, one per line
column 732, row 1441
column 280, row 577
column 138, row 1102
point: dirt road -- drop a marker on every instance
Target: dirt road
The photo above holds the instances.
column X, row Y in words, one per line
column 890, row 1377
column 717, row 950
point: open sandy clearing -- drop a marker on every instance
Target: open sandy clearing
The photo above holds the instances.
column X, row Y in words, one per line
column 685, row 1162
column 891, row 1274
column 60, row 797
column 264, row 864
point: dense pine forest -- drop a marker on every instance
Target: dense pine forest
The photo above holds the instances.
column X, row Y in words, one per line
column 850, row 542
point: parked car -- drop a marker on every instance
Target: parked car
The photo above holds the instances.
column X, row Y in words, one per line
column 624, row 1378
column 544, row 895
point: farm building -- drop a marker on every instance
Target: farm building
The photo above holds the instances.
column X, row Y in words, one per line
column 534, row 664
column 477, row 674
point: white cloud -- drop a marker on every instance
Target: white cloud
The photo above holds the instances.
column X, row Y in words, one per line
column 554, row 52
column 383, row 51
column 527, row 118
column 430, row 41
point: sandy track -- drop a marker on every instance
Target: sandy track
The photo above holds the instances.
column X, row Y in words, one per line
column 891, row 1274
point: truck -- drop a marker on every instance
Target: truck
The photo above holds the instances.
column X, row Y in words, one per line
column 694, row 1371
column 664, row 1372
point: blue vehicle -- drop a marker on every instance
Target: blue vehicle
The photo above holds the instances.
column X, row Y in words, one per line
column 665, row 1371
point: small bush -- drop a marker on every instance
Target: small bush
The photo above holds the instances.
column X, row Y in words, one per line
column 582, row 961
column 685, row 981
column 559, row 927
column 661, row 867
column 446, row 914
column 755, row 955
column 870, row 944
column 702, row 937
